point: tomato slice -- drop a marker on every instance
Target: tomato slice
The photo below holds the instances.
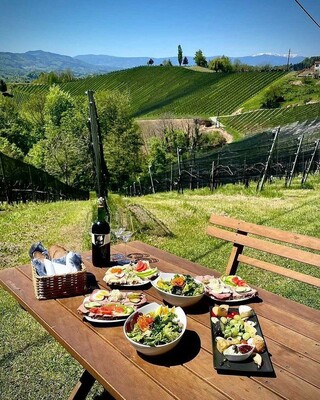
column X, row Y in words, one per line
column 235, row 280
column 120, row 309
column 141, row 266
column 106, row 311
column 95, row 310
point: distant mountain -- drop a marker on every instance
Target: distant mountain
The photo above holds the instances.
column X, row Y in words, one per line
column 32, row 62
column 271, row 59
column 121, row 62
column 28, row 65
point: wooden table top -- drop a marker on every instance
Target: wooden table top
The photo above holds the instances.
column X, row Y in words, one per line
column 291, row 332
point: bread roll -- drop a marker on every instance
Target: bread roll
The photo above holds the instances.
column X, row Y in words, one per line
column 259, row 343
column 57, row 252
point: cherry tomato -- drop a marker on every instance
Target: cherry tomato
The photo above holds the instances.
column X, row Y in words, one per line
column 241, row 282
column 144, row 322
column 178, row 281
column 232, row 314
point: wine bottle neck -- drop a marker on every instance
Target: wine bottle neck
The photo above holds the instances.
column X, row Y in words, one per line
column 101, row 214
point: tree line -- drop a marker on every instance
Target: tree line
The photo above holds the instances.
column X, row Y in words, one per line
column 50, row 131
column 224, row 63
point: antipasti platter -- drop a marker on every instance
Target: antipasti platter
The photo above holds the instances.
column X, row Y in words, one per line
column 134, row 274
column 227, row 288
column 238, row 343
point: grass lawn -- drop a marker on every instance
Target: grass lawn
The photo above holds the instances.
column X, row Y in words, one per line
column 186, row 217
column 34, row 366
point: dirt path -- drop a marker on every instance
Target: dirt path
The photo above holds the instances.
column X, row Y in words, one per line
column 154, row 127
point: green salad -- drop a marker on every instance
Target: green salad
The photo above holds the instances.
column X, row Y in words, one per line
column 181, row 285
column 158, row 327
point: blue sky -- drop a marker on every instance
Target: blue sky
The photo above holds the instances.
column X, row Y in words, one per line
column 154, row 28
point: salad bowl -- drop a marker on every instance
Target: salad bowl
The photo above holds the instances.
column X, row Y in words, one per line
column 189, row 293
column 173, row 322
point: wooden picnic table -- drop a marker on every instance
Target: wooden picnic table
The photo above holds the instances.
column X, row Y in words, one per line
column 291, row 331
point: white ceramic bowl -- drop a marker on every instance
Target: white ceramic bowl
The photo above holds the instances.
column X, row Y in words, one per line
column 174, row 299
column 239, row 356
column 161, row 349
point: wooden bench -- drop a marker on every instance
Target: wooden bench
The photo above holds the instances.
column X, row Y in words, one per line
column 266, row 240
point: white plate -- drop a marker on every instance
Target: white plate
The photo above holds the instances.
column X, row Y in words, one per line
column 106, row 321
column 163, row 348
column 232, row 300
column 127, row 285
column 133, row 285
column 175, row 299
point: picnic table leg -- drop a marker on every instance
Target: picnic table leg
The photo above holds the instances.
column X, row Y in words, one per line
column 82, row 388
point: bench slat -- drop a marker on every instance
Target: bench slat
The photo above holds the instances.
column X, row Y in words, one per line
column 265, row 231
column 268, row 247
column 311, row 280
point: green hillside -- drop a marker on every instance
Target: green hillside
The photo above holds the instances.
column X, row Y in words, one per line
column 177, row 91
column 259, row 120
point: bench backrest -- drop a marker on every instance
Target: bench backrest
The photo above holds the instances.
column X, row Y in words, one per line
column 287, row 249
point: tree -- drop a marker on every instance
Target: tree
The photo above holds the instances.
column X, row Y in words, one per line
column 185, row 61
column 200, row 59
column 33, row 111
column 64, row 149
column 3, row 86
column 12, row 126
column 52, row 78
column 167, row 63
column 179, row 55
column 37, row 154
column 66, row 76
column 121, row 138
column 221, row 64
column 10, row 149
column 3, row 89
column 150, row 62
column 272, row 98
column 57, row 103
column 238, row 66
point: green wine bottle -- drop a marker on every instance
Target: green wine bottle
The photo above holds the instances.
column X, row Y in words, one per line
column 101, row 238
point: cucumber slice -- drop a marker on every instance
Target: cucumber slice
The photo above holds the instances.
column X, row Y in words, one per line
column 91, row 304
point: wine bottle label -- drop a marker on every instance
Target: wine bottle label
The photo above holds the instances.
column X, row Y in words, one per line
column 99, row 239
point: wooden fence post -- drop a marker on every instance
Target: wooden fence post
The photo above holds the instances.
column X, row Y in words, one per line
column 288, row 183
column 6, row 188
column 31, row 181
column 264, row 175
column 307, row 170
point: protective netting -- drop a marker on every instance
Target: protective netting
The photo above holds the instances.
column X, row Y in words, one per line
column 246, row 160
column 23, row 182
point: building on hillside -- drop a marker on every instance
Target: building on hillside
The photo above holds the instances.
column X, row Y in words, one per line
column 312, row 72
column 317, row 69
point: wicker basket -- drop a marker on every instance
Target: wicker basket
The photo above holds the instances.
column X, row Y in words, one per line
column 55, row 286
